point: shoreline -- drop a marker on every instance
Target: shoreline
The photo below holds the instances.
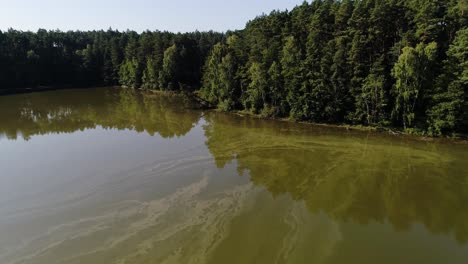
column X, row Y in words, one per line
column 460, row 138
column 27, row 90
column 39, row 89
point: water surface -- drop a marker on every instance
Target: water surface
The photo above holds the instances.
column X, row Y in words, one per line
column 113, row 176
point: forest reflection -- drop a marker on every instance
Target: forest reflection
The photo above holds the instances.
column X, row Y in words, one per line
column 350, row 176
column 74, row 110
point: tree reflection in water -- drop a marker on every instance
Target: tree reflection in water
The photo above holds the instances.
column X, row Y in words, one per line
column 350, row 176
column 73, row 110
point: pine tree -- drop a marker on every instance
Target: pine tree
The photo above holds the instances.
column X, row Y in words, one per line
column 450, row 104
column 293, row 75
column 277, row 94
column 372, row 101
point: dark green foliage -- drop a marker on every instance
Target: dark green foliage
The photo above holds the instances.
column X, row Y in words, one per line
column 294, row 79
column 390, row 63
column 449, row 109
column 54, row 58
column 373, row 62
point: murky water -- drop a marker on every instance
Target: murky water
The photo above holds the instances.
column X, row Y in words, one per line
column 112, row 176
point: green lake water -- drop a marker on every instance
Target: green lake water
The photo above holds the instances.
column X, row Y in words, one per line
column 112, row 176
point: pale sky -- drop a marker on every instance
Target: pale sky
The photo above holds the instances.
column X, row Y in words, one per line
column 139, row 15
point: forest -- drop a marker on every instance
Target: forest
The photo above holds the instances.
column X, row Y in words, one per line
column 381, row 63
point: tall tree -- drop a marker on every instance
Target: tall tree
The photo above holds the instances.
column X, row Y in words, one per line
column 412, row 74
column 450, row 104
column 167, row 75
column 294, row 79
column 257, row 89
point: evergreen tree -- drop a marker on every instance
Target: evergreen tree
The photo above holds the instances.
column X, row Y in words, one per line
column 450, row 104
column 293, row 75
column 277, row 94
column 371, row 62
column 372, row 101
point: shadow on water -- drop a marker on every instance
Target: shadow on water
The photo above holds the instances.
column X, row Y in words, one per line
column 350, row 176
column 74, row 110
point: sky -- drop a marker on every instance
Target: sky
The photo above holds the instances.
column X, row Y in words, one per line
column 139, row 15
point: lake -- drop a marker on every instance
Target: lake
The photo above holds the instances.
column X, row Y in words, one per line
column 110, row 175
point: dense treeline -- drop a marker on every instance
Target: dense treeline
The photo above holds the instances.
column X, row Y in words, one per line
column 150, row 59
column 374, row 62
column 389, row 63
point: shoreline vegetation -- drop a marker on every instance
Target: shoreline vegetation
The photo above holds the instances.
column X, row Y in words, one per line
column 385, row 64
column 458, row 138
column 373, row 129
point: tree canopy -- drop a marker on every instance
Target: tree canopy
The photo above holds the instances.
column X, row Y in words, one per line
column 388, row 63
column 385, row 63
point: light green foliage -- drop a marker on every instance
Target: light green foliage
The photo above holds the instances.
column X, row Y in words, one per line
column 167, row 80
column 128, row 73
column 220, row 81
column 228, row 85
column 211, row 79
column 257, row 89
column 150, row 75
column 412, row 73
